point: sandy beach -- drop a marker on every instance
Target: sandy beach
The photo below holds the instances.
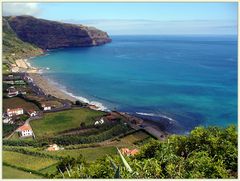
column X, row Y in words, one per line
column 48, row 88
column 21, row 63
column 23, row 66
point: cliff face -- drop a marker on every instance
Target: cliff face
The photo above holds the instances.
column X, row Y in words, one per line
column 51, row 34
column 13, row 48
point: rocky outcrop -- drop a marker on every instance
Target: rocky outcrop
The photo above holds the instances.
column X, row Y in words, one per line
column 51, row 34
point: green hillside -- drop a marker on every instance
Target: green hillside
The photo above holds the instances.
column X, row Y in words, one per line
column 13, row 47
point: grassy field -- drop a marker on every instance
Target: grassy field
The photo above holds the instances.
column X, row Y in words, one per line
column 135, row 137
column 16, row 102
column 12, row 173
column 90, row 154
column 26, row 161
column 15, row 136
column 50, row 170
column 53, row 123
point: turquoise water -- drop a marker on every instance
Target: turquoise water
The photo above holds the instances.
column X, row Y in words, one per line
column 182, row 81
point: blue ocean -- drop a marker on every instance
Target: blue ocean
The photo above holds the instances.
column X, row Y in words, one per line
column 178, row 81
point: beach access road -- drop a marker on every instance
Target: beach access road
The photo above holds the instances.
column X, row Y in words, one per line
column 152, row 129
column 155, row 131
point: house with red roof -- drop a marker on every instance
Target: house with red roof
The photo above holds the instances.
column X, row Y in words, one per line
column 32, row 113
column 128, row 152
column 25, row 130
column 15, row 112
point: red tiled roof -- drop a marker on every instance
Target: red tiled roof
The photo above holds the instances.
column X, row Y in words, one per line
column 126, row 151
column 31, row 111
column 24, row 127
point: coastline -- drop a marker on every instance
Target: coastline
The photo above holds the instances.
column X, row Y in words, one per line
column 49, row 87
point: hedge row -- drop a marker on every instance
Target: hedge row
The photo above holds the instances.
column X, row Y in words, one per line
column 80, row 146
column 76, row 139
column 22, row 143
column 33, row 153
column 26, row 169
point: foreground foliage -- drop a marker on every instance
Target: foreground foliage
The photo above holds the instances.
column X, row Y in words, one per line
column 204, row 153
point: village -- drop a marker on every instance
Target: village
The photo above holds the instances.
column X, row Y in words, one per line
column 24, row 102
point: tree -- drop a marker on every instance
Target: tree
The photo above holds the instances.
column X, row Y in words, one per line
column 78, row 103
column 82, row 125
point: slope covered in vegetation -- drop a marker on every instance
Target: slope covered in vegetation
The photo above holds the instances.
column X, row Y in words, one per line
column 13, row 47
column 204, row 153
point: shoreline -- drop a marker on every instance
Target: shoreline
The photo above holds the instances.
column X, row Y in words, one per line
column 50, row 87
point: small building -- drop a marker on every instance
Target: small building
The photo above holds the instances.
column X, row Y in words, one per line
column 53, row 147
column 7, row 119
column 25, row 130
column 46, row 107
column 101, row 121
column 23, row 92
column 32, row 113
column 14, row 112
column 128, row 152
column 28, row 79
column 12, row 91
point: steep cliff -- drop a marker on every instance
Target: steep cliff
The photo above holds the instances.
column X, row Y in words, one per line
column 13, row 48
column 51, row 34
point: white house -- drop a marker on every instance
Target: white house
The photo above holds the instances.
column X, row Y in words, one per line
column 25, row 130
column 12, row 91
column 14, row 112
column 45, row 107
column 53, row 147
column 32, row 113
column 13, row 94
column 101, row 121
column 28, row 79
column 7, row 119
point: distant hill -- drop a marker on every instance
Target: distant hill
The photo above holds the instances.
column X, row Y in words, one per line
column 51, row 34
column 26, row 36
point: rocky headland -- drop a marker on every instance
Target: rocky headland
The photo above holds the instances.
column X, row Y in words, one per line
column 47, row 34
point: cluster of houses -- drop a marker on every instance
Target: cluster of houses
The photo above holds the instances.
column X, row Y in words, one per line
column 24, row 130
column 10, row 113
column 12, row 92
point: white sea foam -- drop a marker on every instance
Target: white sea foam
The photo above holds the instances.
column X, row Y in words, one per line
column 99, row 105
column 157, row 115
column 145, row 114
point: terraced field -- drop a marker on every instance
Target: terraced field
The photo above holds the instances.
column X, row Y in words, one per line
column 16, row 102
column 90, row 154
column 53, row 123
column 26, row 161
column 12, row 173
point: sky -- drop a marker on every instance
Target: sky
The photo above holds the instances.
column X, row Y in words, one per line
column 138, row 18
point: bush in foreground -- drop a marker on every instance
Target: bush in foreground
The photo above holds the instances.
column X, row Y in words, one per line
column 204, row 153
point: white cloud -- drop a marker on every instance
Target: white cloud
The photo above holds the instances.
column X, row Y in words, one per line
column 14, row 9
